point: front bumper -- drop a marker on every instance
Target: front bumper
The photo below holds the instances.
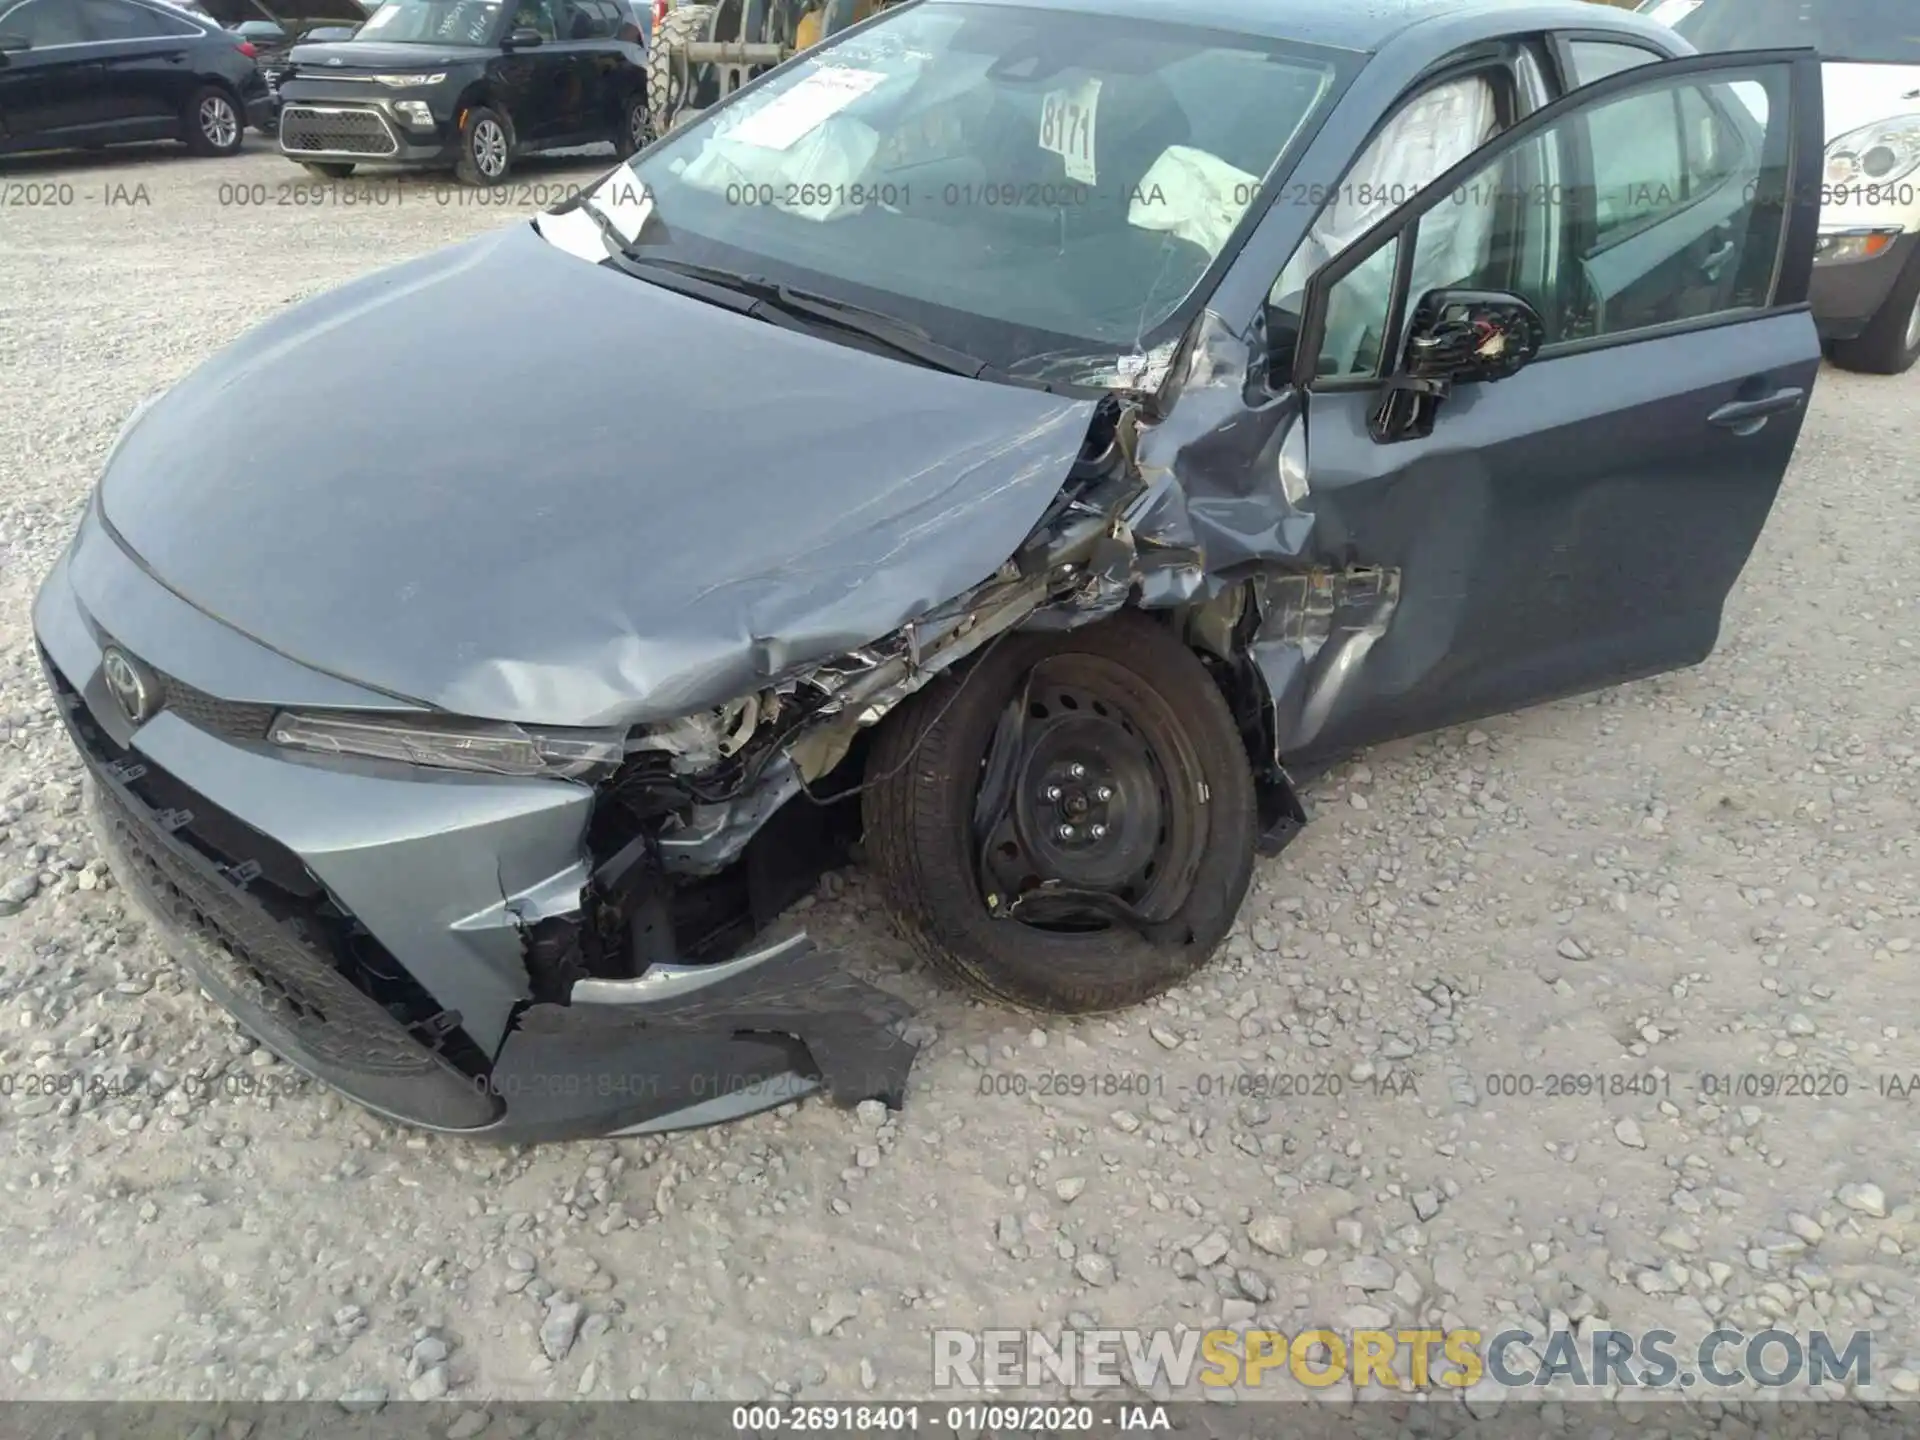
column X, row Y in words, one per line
column 371, row 924
column 1846, row 294
column 337, row 125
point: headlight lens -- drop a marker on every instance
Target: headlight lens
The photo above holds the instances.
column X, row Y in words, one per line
column 1875, row 154
column 487, row 746
column 1837, row 246
column 408, row 82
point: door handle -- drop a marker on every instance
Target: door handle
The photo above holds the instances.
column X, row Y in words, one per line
column 1711, row 267
column 1743, row 417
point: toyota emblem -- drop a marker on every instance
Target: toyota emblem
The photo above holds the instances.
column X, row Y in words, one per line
column 131, row 691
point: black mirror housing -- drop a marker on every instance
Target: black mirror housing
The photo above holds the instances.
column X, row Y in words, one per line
column 1454, row 337
column 1472, row 335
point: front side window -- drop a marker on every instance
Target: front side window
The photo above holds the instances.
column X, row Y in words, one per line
column 1664, row 229
column 1037, row 187
column 1423, row 140
column 435, row 22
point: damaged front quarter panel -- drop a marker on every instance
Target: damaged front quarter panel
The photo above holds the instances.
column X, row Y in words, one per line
column 1192, row 500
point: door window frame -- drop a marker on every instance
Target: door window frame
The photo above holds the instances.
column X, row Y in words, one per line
column 1800, row 222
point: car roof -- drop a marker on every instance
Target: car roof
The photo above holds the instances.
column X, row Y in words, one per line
column 1362, row 25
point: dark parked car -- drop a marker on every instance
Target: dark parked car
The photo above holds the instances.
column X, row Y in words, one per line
column 1082, row 418
column 275, row 28
column 473, row 84
column 86, row 73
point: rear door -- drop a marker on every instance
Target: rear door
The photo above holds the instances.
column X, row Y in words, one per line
column 50, row 92
column 149, row 58
column 1582, row 521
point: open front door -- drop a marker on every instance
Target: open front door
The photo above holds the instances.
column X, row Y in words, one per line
column 1630, row 267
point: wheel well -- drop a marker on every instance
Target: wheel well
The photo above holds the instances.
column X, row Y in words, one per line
column 477, row 95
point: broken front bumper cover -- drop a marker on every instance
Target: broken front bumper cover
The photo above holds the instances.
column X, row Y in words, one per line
column 263, row 875
column 677, row 1047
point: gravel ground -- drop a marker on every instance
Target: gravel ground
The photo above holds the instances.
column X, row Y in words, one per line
column 1709, row 874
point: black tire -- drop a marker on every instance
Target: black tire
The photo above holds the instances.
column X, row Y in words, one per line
column 926, row 773
column 212, row 122
column 486, row 147
column 328, row 169
column 636, row 125
column 682, row 24
column 1891, row 342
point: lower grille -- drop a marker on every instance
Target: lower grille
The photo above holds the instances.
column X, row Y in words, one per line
column 264, row 940
column 265, row 962
column 335, row 130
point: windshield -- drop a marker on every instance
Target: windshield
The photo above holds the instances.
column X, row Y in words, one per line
column 1043, row 189
column 1875, row 31
column 443, row 22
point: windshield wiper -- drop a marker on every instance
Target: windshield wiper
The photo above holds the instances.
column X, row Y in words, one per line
column 781, row 304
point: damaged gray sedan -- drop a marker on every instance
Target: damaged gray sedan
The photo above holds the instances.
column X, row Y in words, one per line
column 1025, row 437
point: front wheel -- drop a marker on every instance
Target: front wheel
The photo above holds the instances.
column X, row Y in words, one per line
column 211, row 122
column 486, row 148
column 1068, row 825
column 1891, row 342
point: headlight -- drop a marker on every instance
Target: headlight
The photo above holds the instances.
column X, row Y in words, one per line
column 410, row 82
column 488, row 746
column 1875, row 154
column 1836, row 246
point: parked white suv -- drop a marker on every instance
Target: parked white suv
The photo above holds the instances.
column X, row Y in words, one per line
column 1866, row 279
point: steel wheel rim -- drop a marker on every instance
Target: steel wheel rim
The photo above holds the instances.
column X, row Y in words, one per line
column 217, row 121
column 489, row 148
column 1082, row 817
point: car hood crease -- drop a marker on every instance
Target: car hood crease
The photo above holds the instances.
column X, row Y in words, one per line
column 529, row 488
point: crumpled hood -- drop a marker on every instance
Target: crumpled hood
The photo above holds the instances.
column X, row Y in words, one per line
column 517, row 486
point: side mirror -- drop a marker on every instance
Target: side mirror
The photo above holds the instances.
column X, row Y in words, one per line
column 1455, row 337
column 524, row 38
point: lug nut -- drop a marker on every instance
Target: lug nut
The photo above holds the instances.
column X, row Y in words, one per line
column 1098, row 832
column 1103, row 794
column 1052, row 792
column 1066, row 832
column 1077, row 770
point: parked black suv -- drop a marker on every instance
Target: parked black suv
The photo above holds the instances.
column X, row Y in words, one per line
column 85, row 73
column 467, row 83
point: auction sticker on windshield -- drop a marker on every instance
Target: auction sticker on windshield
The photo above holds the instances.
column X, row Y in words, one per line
column 805, row 106
column 1066, row 127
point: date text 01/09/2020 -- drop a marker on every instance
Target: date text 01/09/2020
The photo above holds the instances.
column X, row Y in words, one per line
column 969, row 1419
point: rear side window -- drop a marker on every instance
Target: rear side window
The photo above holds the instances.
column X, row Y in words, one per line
column 117, row 20
column 1591, row 60
column 44, row 23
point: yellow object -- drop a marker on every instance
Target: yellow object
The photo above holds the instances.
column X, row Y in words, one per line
column 807, row 34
